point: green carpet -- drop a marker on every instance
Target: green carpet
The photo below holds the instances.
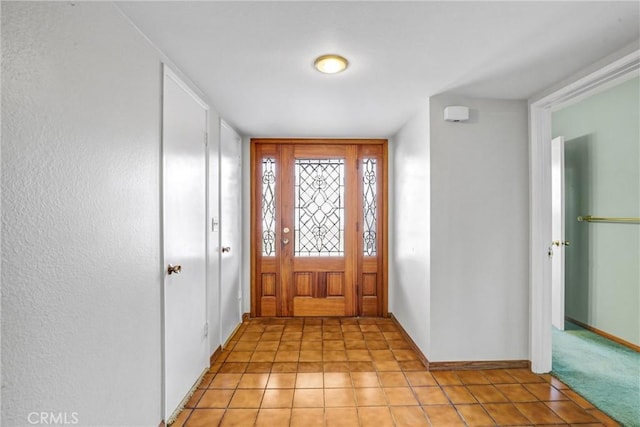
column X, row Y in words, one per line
column 604, row 372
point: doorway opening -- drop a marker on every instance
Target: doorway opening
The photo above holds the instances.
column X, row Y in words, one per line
column 319, row 227
column 541, row 195
column 594, row 349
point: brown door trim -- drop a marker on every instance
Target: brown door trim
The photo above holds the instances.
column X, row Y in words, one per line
column 321, row 141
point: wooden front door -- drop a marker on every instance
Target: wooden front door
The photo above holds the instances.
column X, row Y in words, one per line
column 318, row 234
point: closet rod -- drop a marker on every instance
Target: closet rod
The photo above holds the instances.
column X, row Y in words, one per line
column 589, row 218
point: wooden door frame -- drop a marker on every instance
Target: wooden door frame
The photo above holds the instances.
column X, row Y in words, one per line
column 384, row 211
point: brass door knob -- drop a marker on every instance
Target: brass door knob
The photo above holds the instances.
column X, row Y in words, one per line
column 226, row 249
column 174, row 269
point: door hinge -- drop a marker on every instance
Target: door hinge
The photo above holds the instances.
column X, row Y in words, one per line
column 206, row 138
column 206, row 329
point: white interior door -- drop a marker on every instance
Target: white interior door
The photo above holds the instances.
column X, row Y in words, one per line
column 184, row 203
column 230, row 230
column 557, row 230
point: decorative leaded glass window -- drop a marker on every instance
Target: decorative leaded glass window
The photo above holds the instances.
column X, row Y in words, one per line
column 369, row 210
column 319, row 207
column 268, row 207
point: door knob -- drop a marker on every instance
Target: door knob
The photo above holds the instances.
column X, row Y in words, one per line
column 174, row 269
column 226, row 249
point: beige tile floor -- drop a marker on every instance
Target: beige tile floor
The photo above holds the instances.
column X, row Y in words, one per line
column 362, row 372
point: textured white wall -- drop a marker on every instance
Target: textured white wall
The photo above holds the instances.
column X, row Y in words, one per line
column 409, row 270
column 81, row 265
column 479, row 231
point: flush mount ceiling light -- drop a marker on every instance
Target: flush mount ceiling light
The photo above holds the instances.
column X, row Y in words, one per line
column 331, row 64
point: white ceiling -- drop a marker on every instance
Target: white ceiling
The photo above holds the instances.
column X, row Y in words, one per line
column 254, row 60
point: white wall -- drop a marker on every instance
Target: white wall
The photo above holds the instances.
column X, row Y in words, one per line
column 409, row 224
column 82, row 269
column 479, row 231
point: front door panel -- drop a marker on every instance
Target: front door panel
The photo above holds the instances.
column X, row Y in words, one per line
column 316, row 263
column 316, row 229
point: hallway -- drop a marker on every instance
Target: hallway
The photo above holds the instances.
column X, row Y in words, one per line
column 363, row 372
column 86, row 248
